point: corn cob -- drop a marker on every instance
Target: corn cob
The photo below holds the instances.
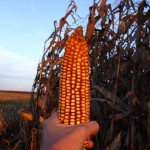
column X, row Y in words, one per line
column 74, row 94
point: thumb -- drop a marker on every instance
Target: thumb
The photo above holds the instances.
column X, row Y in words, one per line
column 91, row 128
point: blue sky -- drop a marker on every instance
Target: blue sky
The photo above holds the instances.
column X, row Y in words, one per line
column 24, row 26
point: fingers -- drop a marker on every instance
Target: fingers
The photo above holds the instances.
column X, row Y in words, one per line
column 90, row 144
column 87, row 130
column 91, row 128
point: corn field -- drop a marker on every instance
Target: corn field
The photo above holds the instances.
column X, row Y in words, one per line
column 118, row 38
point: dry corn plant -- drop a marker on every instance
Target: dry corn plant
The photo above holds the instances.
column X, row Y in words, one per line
column 118, row 48
column 13, row 126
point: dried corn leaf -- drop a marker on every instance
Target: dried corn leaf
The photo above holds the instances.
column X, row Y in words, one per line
column 116, row 143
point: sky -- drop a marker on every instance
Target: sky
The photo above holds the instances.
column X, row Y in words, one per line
column 24, row 27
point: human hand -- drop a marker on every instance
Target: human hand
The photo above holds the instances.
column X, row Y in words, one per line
column 57, row 136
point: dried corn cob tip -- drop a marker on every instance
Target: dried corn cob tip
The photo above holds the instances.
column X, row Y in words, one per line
column 74, row 93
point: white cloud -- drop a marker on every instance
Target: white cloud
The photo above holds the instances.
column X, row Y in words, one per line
column 16, row 24
column 15, row 65
column 15, row 84
column 17, row 72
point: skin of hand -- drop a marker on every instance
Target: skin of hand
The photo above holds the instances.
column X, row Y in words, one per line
column 57, row 136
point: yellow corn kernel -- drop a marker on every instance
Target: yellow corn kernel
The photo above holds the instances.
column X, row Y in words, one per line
column 74, row 95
